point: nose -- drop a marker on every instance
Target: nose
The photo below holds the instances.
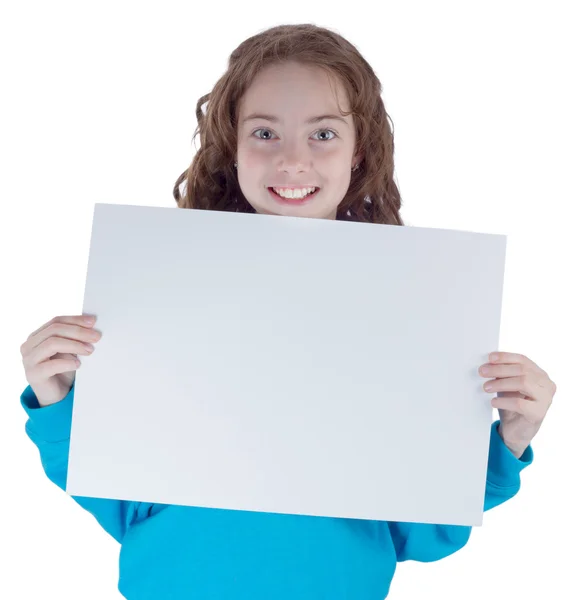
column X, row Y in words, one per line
column 295, row 158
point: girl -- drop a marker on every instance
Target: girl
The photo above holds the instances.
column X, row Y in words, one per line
column 296, row 127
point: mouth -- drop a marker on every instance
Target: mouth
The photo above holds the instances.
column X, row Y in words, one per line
column 294, row 200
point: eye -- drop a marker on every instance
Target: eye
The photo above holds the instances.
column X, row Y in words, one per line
column 327, row 130
column 254, row 132
column 319, row 131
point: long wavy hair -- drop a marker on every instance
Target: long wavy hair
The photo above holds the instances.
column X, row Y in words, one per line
column 211, row 181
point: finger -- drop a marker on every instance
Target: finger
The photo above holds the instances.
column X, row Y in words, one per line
column 528, row 408
column 501, row 370
column 72, row 319
column 509, row 358
column 55, row 345
column 60, row 329
column 528, row 385
column 502, row 394
column 49, row 368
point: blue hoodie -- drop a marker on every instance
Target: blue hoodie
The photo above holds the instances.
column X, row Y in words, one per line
column 180, row 552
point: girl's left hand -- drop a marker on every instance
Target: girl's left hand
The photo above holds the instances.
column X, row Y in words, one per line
column 525, row 394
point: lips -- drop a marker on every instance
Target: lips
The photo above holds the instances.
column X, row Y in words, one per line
column 292, row 187
column 291, row 201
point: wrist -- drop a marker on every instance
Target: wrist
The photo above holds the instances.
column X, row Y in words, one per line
column 517, row 451
column 516, row 448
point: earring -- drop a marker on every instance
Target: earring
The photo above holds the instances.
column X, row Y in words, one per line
column 235, row 165
column 355, row 167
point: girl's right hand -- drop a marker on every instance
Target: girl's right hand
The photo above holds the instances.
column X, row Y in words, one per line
column 50, row 354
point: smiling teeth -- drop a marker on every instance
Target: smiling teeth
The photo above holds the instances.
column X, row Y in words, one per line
column 300, row 193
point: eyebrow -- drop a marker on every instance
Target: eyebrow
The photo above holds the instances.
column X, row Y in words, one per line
column 274, row 119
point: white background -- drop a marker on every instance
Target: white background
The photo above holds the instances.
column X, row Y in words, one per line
column 98, row 104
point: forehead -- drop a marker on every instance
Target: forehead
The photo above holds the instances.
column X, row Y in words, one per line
column 293, row 89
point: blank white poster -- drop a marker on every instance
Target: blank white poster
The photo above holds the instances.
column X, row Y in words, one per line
column 287, row 365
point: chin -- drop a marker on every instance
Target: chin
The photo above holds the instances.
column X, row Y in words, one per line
column 296, row 211
column 305, row 210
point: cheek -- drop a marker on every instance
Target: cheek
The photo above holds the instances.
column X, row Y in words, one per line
column 252, row 160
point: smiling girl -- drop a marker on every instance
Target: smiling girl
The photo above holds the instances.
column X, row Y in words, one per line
column 295, row 127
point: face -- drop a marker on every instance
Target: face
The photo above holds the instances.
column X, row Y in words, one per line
column 287, row 148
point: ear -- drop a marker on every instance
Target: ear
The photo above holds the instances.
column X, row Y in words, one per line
column 358, row 158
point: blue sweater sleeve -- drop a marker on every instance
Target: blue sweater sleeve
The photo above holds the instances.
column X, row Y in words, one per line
column 49, row 428
column 425, row 542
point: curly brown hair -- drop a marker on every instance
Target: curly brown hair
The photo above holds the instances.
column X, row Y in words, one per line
column 211, row 182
